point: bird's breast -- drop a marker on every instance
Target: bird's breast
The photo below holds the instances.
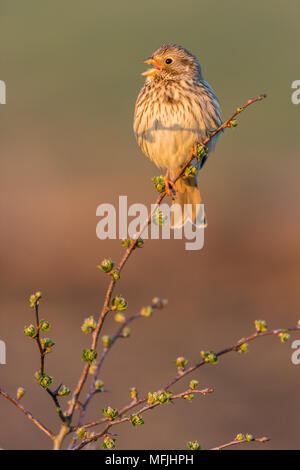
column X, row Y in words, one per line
column 168, row 122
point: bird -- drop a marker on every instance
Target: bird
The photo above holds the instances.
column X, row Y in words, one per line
column 175, row 110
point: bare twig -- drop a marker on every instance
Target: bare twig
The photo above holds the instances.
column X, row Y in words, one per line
column 28, row 414
column 241, row 441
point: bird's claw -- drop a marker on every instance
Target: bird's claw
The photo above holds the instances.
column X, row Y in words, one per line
column 170, row 187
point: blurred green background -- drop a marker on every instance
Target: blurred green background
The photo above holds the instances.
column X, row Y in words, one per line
column 72, row 71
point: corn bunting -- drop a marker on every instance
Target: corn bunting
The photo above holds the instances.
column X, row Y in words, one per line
column 176, row 109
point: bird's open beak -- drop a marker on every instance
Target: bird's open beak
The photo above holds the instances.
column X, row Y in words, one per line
column 152, row 71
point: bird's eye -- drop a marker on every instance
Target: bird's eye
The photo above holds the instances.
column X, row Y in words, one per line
column 169, row 61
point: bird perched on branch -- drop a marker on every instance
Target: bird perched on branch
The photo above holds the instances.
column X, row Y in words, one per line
column 175, row 110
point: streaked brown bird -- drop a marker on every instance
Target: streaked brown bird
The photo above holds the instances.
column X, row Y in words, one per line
column 176, row 109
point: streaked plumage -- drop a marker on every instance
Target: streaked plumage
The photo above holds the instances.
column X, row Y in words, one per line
column 175, row 109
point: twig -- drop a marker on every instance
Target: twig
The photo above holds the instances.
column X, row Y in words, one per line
column 241, row 441
column 28, row 414
column 148, row 407
column 42, row 351
column 192, row 368
column 234, row 347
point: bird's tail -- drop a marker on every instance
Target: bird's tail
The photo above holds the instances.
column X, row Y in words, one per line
column 187, row 204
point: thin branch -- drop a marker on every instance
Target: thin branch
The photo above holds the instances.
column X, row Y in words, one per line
column 148, row 407
column 132, row 246
column 42, row 351
column 100, row 362
column 234, row 347
column 241, row 441
column 28, row 414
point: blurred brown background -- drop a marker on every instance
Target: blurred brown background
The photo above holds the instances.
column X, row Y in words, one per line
column 72, row 71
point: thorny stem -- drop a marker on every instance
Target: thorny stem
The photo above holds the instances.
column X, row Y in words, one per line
column 130, row 249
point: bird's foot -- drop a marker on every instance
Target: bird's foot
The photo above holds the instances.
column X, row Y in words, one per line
column 170, row 187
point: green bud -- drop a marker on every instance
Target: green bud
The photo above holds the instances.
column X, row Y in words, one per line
column 125, row 242
column 190, row 170
column 189, row 396
column 81, row 433
column 44, row 325
column 106, row 340
column 30, row 331
column 99, row 386
column 119, row 303
column 209, row 356
column 146, row 311
column 133, row 393
column 194, row 384
column 240, row 437
column 232, row 123
column 284, row 336
column 93, row 367
column 194, row 445
column 110, row 413
column 43, row 379
column 136, row 420
column 115, row 275
column 249, row 437
column 47, row 344
column 106, row 265
column 260, row 325
column 151, row 398
column 140, row 243
column 243, row 348
column 181, row 362
column 120, row 318
column 89, row 325
column 34, row 299
column 20, row 393
column 46, row 381
column 201, row 152
column 126, row 332
column 159, row 397
column 159, row 303
column 89, row 355
column 108, row 443
column 158, row 218
column 64, row 391
column 159, row 183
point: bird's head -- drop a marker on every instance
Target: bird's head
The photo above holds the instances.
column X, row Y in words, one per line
column 172, row 62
